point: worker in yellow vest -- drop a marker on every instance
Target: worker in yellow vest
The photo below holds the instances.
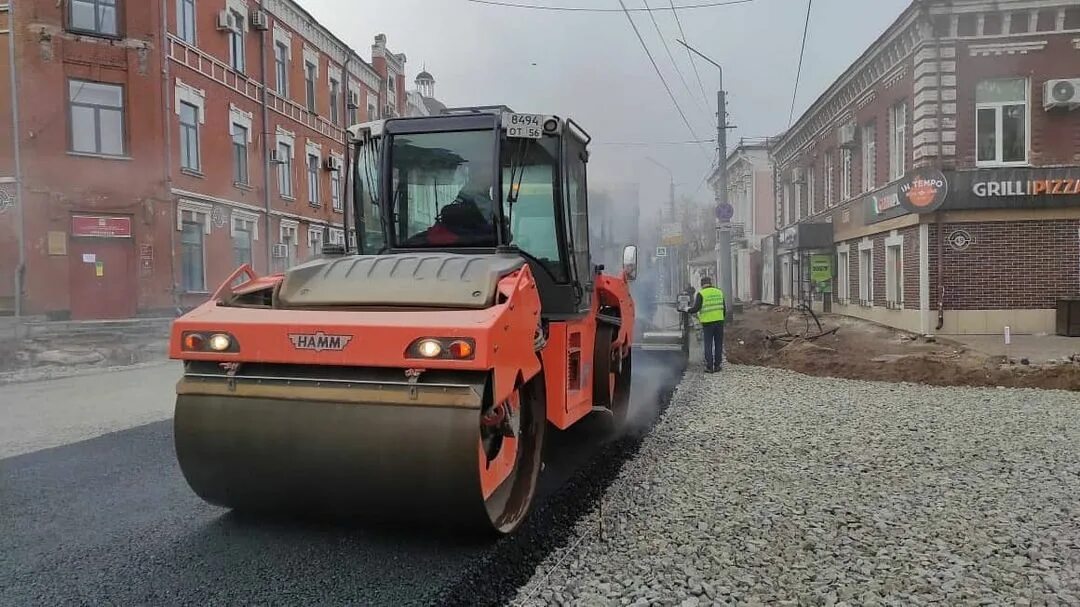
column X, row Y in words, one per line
column 710, row 307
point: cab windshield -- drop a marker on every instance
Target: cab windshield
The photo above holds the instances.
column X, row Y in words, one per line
column 530, row 168
column 442, row 189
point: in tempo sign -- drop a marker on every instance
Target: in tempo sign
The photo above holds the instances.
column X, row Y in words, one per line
column 921, row 191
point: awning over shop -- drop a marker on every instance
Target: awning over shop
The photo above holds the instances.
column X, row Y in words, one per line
column 806, row 236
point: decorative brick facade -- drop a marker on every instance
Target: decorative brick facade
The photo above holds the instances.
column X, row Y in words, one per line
column 194, row 183
column 1025, row 252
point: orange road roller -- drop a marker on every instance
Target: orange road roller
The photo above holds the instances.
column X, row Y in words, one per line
column 414, row 368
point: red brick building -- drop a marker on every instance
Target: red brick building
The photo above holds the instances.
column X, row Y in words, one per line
column 156, row 151
column 939, row 176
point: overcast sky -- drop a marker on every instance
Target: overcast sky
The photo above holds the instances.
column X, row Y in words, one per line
column 591, row 66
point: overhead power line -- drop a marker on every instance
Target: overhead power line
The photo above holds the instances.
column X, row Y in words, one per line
column 649, row 143
column 657, row 69
column 586, row 9
column 798, row 72
column 689, row 55
column 671, row 57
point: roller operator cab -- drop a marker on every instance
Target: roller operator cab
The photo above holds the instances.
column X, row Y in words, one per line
column 415, row 371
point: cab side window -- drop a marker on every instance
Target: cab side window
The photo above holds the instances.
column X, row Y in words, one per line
column 577, row 213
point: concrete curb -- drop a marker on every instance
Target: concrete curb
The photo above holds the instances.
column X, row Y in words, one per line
column 45, row 374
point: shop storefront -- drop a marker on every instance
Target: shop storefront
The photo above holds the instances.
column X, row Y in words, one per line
column 797, row 246
column 961, row 252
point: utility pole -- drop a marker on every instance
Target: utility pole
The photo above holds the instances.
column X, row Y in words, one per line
column 723, row 226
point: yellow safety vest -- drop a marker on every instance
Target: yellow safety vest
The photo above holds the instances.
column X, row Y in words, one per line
column 712, row 305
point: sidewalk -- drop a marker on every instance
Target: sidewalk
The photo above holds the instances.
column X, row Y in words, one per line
column 1037, row 349
column 33, row 350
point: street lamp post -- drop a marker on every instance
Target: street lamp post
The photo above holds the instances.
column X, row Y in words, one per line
column 723, row 226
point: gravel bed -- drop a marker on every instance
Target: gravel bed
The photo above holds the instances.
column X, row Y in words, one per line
column 763, row 486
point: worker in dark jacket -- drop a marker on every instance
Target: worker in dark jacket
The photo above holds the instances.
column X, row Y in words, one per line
column 710, row 306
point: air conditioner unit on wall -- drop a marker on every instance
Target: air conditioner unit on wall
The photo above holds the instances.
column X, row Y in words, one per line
column 1061, row 93
column 333, row 163
column 354, row 100
column 846, row 135
column 275, row 157
column 223, row 23
column 280, row 251
column 260, row 21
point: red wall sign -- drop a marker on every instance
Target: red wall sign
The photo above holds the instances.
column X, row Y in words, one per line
column 101, row 227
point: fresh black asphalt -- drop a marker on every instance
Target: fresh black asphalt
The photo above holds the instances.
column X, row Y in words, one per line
column 111, row 521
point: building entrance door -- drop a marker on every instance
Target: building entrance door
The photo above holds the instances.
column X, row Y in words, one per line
column 102, row 270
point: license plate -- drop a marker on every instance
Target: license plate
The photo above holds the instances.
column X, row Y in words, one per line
column 528, row 126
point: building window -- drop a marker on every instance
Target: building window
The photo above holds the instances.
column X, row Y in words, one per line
column 97, row 117
column 185, row 20
column 869, row 157
column 799, row 200
column 785, row 277
column 309, row 80
column 845, row 174
column 315, row 241
column 313, row 179
column 335, row 101
column 93, row 17
column 1002, row 117
column 843, row 285
column 337, row 236
column 785, row 207
column 240, row 154
column 285, row 171
column 193, row 278
column 189, row 137
column 335, row 191
column 830, row 179
column 354, row 108
column 243, row 235
column 236, row 41
column 811, row 177
column 897, row 140
column 281, row 68
column 290, row 242
column 894, row 275
column 866, row 274
column 372, row 111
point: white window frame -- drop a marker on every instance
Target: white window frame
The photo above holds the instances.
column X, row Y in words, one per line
column 897, row 140
column 197, row 133
column 182, row 25
column 866, row 273
column 798, row 188
column 845, row 174
column 785, row 277
column 336, row 236
column 237, row 62
column 843, row 269
column 334, row 93
column 239, row 218
column 282, row 37
column 191, row 209
column 785, row 209
column 869, row 157
column 999, row 121
column 313, row 149
column 337, row 193
column 287, row 170
column 313, row 239
column 810, row 179
column 830, row 179
column 894, row 285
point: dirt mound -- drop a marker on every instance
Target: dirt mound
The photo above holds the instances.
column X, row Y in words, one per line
column 854, row 349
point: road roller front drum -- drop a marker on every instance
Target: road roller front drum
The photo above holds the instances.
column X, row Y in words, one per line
column 434, row 451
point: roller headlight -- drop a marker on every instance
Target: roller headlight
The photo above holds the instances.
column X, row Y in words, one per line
column 442, row 348
column 429, row 348
column 220, row 342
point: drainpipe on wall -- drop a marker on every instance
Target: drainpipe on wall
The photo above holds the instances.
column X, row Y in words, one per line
column 166, row 122
column 940, row 150
column 266, row 146
column 344, row 196
column 20, row 269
